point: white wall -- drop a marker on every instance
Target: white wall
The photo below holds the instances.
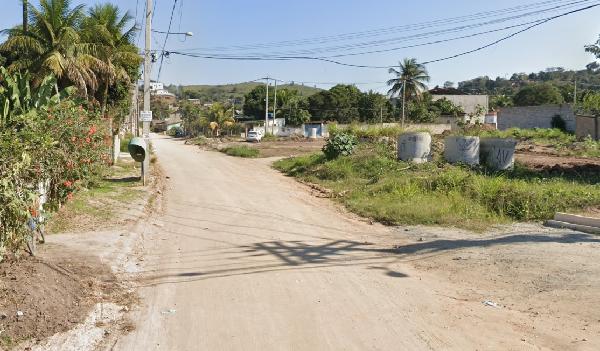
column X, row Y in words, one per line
column 468, row 103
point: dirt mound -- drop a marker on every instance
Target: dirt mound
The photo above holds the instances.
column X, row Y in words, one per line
column 557, row 164
column 41, row 296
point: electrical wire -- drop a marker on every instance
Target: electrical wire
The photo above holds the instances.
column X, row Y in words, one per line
column 162, row 57
column 511, row 35
column 350, row 47
column 410, row 27
column 413, row 45
column 324, row 59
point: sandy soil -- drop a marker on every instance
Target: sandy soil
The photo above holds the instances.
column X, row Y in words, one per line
column 552, row 163
column 243, row 258
column 50, row 293
column 280, row 148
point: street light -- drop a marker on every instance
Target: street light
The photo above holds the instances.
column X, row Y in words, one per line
column 187, row 34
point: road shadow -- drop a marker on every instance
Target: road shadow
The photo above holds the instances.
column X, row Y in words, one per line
column 123, row 180
column 446, row 245
column 299, row 255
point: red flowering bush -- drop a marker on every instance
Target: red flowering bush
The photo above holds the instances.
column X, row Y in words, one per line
column 61, row 146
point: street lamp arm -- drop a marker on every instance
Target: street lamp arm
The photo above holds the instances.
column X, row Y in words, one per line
column 187, row 34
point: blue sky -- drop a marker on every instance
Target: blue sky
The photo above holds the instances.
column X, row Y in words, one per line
column 236, row 22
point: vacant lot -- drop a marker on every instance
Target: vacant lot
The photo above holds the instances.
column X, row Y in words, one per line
column 284, row 147
column 373, row 184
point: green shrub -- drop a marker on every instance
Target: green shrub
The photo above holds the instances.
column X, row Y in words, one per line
column 269, row 137
column 125, row 142
column 241, row 151
column 341, row 144
column 370, row 132
column 64, row 145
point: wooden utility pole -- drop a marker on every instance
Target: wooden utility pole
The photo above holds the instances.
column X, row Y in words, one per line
column 147, row 71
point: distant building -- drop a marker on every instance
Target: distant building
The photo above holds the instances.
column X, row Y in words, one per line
column 158, row 92
column 155, row 86
column 469, row 103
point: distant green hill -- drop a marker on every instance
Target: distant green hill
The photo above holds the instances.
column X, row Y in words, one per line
column 224, row 93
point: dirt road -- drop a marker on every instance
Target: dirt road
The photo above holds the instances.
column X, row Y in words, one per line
column 242, row 258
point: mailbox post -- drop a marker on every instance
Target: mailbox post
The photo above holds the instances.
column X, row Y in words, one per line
column 138, row 150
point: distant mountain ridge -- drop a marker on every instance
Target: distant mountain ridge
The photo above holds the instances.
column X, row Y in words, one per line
column 587, row 80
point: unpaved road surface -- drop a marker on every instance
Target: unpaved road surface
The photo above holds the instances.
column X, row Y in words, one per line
column 242, row 258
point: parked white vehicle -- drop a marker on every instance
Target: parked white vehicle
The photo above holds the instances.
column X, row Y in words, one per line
column 253, row 136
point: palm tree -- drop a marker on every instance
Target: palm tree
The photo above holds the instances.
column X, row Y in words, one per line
column 410, row 80
column 52, row 45
column 110, row 38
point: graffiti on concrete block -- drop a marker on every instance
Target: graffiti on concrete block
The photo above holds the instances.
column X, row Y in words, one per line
column 504, row 156
column 468, row 145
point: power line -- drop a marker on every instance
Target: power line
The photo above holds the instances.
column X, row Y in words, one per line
column 403, row 28
column 436, row 33
column 162, row 57
column 414, row 45
column 511, row 35
column 324, row 59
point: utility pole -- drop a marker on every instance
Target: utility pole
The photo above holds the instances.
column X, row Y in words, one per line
column 381, row 115
column 25, row 15
column 267, row 107
column 274, row 109
column 147, row 69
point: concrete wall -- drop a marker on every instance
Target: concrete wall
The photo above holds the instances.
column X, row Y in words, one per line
column 535, row 116
column 280, row 131
column 469, row 103
column 587, row 126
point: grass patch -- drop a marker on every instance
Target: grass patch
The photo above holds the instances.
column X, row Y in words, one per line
column 269, row 137
column 369, row 132
column 100, row 204
column 373, row 184
column 241, row 151
column 125, row 142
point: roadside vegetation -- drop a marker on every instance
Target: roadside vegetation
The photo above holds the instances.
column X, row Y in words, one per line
column 64, row 92
column 373, row 184
column 241, row 151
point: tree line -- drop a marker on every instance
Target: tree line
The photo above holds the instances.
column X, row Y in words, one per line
column 91, row 49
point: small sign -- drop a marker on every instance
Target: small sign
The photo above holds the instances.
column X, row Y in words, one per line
column 146, row 116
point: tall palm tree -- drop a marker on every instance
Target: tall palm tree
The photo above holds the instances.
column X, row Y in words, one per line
column 410, row 80
column 110, row 38
column 52, row 45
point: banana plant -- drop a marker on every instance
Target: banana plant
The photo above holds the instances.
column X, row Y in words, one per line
column 18, row 97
